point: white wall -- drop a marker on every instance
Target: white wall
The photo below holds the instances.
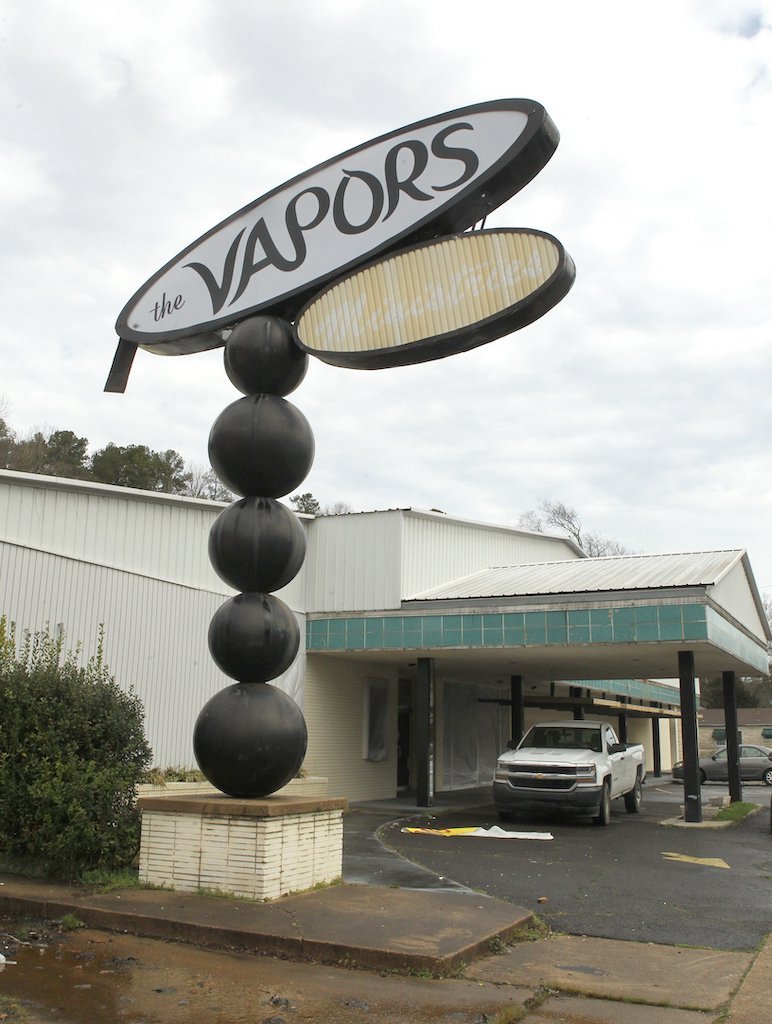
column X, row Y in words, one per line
column 163, row 536
column 335, row 714
column 155, row 635
column 733, row 593
column 159, row 535
column 353, row 562
column 437, row 549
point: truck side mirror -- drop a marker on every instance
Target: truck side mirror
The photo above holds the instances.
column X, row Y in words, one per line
column 617, row 748
column 512, row 744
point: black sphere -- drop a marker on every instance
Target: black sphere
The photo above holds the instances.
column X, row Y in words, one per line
column 257, row 544
column 261, row 445
column 250, row 739
column 254, row 637
column 262, row 357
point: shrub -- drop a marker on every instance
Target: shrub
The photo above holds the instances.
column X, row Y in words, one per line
column 72, row 750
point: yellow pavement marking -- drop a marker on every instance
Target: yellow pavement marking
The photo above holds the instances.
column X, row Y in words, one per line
column 709, row 862
column 442, row 831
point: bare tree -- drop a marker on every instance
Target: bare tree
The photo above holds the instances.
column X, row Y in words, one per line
column 204, row 483
column 556, row 515
column 338, row 508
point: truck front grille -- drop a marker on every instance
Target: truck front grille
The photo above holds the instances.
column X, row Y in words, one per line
column 556, row 777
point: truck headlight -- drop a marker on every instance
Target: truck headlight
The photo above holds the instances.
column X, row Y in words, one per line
column 586, row 772
column 502, row 774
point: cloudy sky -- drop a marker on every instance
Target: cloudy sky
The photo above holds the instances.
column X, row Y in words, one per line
column 643, row 399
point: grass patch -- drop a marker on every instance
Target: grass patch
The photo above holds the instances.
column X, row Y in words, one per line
column 102, row 880
column 532, row 931
column 71, row 923
column 514, row 1014
column 175, row 773
column 737, row 811
column 96, row 880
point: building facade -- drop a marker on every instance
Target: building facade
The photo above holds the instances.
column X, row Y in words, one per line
column 427, row 641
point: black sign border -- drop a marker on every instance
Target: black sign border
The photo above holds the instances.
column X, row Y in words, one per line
column 522, row 161
column 506, row 321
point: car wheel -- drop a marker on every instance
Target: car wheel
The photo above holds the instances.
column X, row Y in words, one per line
column 767, row 777
column 703, row 777
column 603, row 817
column 633, row 798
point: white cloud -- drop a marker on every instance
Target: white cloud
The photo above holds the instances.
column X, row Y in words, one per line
column 641, row 399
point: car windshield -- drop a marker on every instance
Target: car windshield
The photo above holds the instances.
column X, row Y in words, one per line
column 567, row 737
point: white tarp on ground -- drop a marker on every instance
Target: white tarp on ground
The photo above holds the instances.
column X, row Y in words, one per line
column 494, row 832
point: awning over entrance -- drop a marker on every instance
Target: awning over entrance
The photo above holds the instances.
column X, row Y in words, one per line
column 619, row 618
column 595, row 633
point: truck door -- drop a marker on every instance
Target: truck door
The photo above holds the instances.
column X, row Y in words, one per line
column 620, row 764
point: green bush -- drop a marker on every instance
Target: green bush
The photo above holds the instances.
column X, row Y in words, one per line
column 72, row 750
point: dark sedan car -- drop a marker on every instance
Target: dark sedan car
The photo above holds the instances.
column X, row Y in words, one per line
column 755, row 765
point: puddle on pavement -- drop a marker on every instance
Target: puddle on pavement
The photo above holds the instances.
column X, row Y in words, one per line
column 58, row 984
column 95, row 978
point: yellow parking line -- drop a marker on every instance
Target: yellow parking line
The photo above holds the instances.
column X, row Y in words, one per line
column 709, row 862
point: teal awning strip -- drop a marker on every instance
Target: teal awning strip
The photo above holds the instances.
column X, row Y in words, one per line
column 641, row 624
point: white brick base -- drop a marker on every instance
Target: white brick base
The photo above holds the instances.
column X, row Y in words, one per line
column 259, row 849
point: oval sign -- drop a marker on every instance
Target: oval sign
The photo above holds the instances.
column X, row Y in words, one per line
column 431, row 178
column 436, row 299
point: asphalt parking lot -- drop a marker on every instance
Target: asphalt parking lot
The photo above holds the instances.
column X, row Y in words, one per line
column 637, row 879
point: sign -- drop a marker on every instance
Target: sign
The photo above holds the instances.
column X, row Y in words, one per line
column 432, row 178
column 436, row 299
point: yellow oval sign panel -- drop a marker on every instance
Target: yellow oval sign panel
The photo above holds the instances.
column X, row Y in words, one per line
column 436, row 299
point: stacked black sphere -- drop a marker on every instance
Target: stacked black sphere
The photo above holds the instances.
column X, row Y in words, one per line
column 250, row 738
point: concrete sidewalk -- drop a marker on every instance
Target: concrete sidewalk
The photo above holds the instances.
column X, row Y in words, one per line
column 359, row 925
column 400, row 924
column 560, row 978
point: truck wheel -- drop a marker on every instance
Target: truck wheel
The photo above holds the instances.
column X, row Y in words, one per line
column 633, row 798
column 603, row 817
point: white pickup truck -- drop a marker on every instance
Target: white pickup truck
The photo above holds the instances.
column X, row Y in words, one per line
column 576, row 765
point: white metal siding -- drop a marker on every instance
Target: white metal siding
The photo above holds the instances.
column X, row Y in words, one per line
column 353, row 562
column 157, row 535
column 155, row 635
column 335, row 713
column 436, row 550
column 149, row 534
column 733, row 593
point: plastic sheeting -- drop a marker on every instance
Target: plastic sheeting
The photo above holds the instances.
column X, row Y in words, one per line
column 377, row 720
column 292, row 682
column 474, row 733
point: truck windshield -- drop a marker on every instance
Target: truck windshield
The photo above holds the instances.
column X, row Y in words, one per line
column 566, row 737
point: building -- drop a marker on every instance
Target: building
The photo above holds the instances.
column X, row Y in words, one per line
column 428, row 641
column 754, row 726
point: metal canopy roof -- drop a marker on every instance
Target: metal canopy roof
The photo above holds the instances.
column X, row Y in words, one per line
column 590, row 575
column 652, row 589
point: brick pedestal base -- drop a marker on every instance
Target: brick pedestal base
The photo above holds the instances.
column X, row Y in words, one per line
column 260, row 849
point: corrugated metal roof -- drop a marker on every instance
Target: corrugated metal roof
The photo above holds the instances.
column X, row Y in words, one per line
column 590, row 575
